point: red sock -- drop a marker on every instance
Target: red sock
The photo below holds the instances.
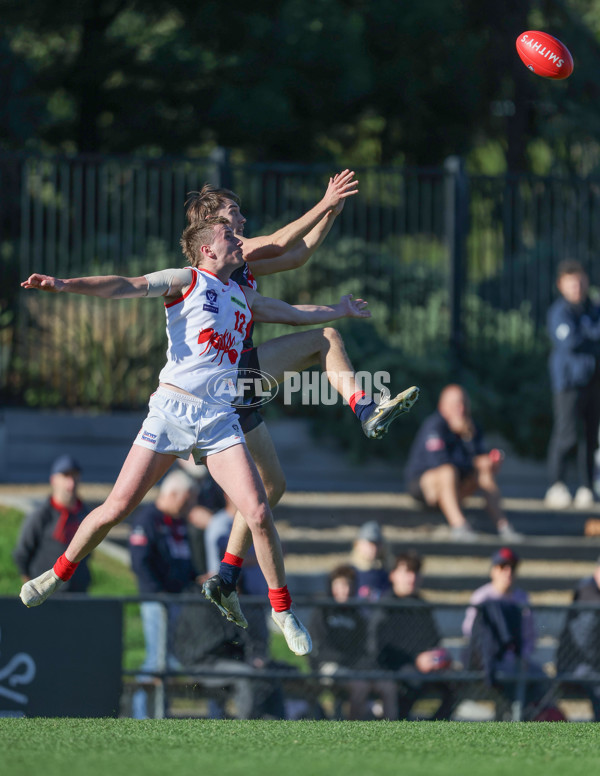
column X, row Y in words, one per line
column 354, row 399
column 233, row 560
column 64, row 568
column 280, row 598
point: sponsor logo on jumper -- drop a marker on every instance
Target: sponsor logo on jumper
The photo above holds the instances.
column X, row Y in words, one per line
column 238, row 302
column 221, row 343
column 541, row 49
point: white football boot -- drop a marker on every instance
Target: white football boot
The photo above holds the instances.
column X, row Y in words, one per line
column 35, row 592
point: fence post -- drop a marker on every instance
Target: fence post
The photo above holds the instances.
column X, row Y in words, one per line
column 456, row 226
column 521, row 690
column 220, row 168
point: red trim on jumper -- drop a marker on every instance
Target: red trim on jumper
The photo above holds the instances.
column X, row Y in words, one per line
column 208, row 272
column 64, row 568
column 187, row 293
column 354, row 399
column 251, row 280
column 232, row 560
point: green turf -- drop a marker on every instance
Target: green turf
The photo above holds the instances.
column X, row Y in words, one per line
column 47, row 747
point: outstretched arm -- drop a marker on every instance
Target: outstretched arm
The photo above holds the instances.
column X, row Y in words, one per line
column 300, row 253
column 164, row 283
column 340, row 187
column 267, row 310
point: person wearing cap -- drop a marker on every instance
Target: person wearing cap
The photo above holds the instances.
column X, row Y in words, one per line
column 501, row 588
column 500, row 628
column 370, row 558
column 49, row 528
column 579, row 644
column 449, row 461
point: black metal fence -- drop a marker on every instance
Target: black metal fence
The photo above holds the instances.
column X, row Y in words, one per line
column 366, row 661
column 447, row 260
column 366, row 664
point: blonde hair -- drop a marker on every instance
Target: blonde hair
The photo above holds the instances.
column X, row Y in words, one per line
column 196, row 235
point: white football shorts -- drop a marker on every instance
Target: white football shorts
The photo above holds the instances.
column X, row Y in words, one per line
column 179, row 424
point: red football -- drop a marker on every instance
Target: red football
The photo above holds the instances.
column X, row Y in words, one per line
column 545, row 55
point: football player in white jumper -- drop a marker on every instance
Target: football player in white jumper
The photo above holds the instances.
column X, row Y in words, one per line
column 207, row 317
column 286, row 249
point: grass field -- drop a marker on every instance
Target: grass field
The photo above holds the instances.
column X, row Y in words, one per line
column 53, row 747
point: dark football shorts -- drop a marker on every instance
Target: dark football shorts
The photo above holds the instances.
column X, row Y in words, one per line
column 250, row 417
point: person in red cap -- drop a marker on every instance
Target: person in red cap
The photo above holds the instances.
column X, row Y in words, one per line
column 49, row 528
column 501, row 587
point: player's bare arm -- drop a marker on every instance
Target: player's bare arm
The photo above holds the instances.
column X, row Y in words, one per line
column 340, row 187
column 301, row 252
column 267, row 310
column 169, row 283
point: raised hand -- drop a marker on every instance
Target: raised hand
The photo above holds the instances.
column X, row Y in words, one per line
column 340, row 187
column 354, row 308
column 43, row 283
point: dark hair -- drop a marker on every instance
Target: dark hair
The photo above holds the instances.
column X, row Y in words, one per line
column 411, row 559
column 201, row 205
column 569, row 267
column 197, row 235
column 344, row 572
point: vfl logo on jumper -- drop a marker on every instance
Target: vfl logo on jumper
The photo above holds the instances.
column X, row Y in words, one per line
column 19, row 670
column 211, row 298
column 242, row 388
column 221, row 343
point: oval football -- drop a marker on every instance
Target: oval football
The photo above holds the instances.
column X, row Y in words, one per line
column 544, row 55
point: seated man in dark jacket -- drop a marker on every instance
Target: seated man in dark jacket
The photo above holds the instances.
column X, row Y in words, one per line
column 449, row 461
column 404, row 638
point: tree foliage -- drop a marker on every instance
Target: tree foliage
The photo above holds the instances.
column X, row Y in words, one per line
column 358, row 81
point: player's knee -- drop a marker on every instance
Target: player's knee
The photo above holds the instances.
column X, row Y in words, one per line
column 259, row 517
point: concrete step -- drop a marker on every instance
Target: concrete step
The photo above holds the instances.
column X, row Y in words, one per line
column 529, row 516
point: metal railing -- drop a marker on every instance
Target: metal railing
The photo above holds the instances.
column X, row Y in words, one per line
column 447, row 260
column 213, row 657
